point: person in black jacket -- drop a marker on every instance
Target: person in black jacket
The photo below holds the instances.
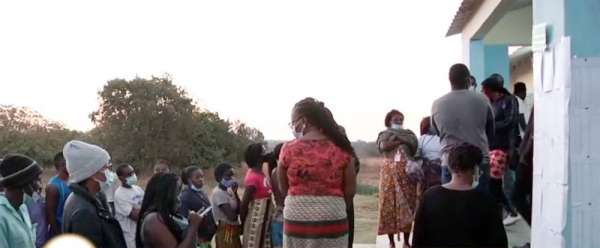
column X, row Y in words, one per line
column 85, row 213
column 194, row 199
column 502, row 143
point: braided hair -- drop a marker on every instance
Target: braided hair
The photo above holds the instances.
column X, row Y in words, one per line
column 161, row 197
column 319, row 116
column 463, row 157
column 255, row 155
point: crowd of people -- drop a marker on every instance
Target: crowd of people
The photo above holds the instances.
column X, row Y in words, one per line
column 454, row 186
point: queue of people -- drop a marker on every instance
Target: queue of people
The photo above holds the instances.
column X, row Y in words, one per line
column 451, row 187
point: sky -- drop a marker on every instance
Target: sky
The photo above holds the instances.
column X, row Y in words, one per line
column 246, row 60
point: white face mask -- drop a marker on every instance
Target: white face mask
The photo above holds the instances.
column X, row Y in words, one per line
column 397, row 126
column 475, row 178
column 472, row 88
column 297, row 134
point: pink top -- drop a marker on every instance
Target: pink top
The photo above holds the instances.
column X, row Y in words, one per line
column 261, row 184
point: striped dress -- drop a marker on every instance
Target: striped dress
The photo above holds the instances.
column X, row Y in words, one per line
column 315, row 209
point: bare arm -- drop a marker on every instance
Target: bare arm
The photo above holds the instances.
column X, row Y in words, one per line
column 283, row 180
column 160, row 235
column 51, row 205
column 248, row 192
column 349, row 182
column 279, row 196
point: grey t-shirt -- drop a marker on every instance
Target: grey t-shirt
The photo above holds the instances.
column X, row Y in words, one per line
column 462, row 116
column 220, row 197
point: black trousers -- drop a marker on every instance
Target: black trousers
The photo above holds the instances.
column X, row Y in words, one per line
column 498, row 191
column 523, row 189
column 350, row 213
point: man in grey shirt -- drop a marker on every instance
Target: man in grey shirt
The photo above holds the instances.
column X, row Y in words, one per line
column 460, row 116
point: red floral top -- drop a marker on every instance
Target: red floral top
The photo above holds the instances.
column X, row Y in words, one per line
column 314, row 167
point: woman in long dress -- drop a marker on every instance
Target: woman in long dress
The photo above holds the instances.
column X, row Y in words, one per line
column 397, row 192
column 317, row 173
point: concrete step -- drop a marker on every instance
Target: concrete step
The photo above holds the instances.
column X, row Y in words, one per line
column 384, row 242
column 364, row 246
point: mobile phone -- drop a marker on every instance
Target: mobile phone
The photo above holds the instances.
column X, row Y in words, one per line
column 205, row 211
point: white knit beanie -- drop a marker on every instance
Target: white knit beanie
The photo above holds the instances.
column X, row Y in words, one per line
column 83, row 160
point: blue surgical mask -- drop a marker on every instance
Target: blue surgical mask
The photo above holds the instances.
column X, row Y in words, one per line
column 397, row 126
column 132, row 180
column 197, row 189
column 227, row 183
column 110, row 179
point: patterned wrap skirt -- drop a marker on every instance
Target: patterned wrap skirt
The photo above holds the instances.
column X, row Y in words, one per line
column 315, row 222
column 397, row 198
column 257, row 232
column 228, row 235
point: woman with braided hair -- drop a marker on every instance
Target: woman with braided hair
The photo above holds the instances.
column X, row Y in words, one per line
column 455, row 214
column 317, row 174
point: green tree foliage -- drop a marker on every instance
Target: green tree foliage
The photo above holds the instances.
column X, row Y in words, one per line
column 138, row 121
column 144, row 120
column 26, row 132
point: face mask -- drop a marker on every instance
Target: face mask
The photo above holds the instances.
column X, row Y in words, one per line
column 475, row 178
column 397, row 126
column 227, row 183
column 298, row 134
column 35, row 196
column 132, row 180
column 27, row 200
column 197, row 189
column 472, row 88
column 110, row 179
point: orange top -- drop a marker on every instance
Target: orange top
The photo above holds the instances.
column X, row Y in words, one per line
column 314, row 167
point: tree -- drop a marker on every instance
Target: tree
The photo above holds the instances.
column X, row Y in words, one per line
column 143, row 120
column 25, row 131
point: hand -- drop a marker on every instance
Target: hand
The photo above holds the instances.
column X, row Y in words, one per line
column 195, row 219
column 234, row 188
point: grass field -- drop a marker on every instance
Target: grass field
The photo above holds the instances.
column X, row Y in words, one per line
column 365, row 203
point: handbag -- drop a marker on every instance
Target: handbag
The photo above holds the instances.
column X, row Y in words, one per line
column 412, row 168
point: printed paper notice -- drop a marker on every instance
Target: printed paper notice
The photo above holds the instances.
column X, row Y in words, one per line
column 548, row 72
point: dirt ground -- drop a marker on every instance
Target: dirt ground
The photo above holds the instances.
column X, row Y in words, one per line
column 365, row 207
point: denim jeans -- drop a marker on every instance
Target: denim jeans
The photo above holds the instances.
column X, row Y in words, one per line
column 484, row 175
column 509, row 186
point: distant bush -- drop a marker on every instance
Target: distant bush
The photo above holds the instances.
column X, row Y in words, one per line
column 364, row 189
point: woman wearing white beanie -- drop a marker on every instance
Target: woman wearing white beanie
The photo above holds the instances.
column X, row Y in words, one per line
column 85, row 214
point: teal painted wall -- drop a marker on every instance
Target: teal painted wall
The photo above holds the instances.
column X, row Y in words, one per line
column 485, row 60
column 579, row 19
